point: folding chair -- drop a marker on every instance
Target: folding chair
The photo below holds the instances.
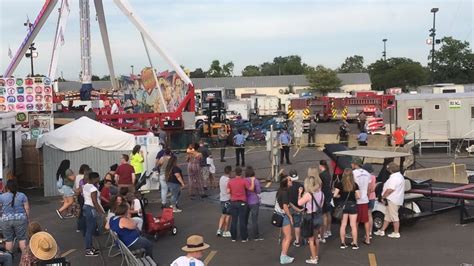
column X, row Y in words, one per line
column 113, row 238
column 131, row 259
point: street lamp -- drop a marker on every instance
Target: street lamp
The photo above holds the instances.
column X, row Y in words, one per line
column 384, row 53
column 132, row 68
column 433, row 41
column 32, row 55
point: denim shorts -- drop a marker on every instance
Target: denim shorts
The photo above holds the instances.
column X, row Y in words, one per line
column 371, row 204
column 297, row 219
column 66, row 191
column 225, row 207
column 286, row 220
column 14, row 228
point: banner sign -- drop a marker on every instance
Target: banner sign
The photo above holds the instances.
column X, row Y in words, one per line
column 26, row 94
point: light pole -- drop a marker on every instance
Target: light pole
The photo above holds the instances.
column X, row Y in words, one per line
column 384, row 53
column 132, row 68
column 32, row 55
column 433, row 41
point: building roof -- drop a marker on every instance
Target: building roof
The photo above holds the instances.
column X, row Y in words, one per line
column 428, row 96
column 274, row 81
column 238, row 82
column 76, row 85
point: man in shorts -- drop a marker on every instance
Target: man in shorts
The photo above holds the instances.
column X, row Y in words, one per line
column 295, row 210
column 362, row 179
column 393, row 195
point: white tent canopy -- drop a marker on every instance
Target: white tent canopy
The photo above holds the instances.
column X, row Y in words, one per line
column 85, row 132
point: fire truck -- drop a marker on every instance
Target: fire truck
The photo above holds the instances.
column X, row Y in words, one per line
column 330, row 108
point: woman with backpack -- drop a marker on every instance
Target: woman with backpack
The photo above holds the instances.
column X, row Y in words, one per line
column 313, row 202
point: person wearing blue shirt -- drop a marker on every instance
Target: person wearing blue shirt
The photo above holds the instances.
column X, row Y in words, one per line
column 239, row 143
column 362, row 138
column 285, row 141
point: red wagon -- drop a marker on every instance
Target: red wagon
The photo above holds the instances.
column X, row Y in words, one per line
column 160, row 224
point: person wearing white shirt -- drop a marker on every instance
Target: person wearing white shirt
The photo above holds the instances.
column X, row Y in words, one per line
column 393, row 194
column 224, row 197
column 362, row 179
column 194, row 247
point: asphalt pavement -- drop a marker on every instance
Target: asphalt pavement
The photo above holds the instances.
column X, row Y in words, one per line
column 435, row 240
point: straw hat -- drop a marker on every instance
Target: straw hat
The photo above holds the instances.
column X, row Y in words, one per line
column 43, row 246
column 195, row 243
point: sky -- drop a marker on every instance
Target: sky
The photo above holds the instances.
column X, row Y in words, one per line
column 195, row 32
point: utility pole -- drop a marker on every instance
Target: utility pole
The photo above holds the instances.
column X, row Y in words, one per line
column 433, row 41
column 132, row 68
column 384, row 53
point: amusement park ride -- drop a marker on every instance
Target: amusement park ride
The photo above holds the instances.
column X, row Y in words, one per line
column 141, row 122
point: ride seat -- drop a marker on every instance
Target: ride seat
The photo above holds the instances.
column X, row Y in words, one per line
column 411, row 196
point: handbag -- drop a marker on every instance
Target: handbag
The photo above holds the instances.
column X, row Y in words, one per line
column 307, row 224
column 277, row 217
column 59, row 183
column 339, row 210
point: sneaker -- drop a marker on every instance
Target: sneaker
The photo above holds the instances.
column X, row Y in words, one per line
column 284, row 259
column 258, row 239
column 354, row 246
column 59, row 214
column 327, row 234
column 78, row 231
column 219, row 232
column 379, row 233
column 95, row 250
column 322, row 240
column 226, row 234
column 176, row 210
column 233, row 240
column 343, row 246
column 91, row 253
column 296, row 244
column 394, row 235
column 245, row 240
column 69, row 216
column 312, row 261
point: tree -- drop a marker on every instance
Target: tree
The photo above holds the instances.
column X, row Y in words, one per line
column 288, row 65
column 105, row 77
column 216, row 70
column 454, row 62
column 198, row 73
column 251, row 71
column 323, row 79
column 397, row 72
column 95, row 78
column 353, row 64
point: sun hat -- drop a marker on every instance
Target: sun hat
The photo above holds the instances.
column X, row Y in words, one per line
column 195, row 243
column 43, row 246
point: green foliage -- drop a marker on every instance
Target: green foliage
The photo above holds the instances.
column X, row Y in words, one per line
column 216, row 70
column 454, row 62
column 251, row 71
column 323, row 79
column 106, row 77
column 353, row 64
column 397, row 72
column 198, row 73
column 95, row 78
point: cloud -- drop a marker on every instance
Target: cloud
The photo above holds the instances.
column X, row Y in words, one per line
column 245, row 32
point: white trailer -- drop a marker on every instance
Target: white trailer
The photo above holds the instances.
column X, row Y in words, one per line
column 436, row 117
column 239, row 107
column 264, row 105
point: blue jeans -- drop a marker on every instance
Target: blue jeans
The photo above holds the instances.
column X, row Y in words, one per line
column 253, row 211
column 90, row 214
column 175, row 192
column 143, row 243
column 164, row 189
column 238, row 210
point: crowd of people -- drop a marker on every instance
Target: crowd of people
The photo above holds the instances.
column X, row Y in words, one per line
column 307, row 208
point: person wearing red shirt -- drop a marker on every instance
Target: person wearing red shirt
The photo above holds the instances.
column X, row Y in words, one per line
column 237, row 188
column 125, row 174
column 105, row 195
column 399, row 136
